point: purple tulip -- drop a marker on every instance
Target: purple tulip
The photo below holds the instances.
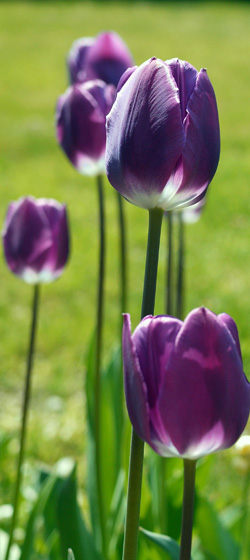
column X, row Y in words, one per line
column 106, row 58
column 80, row 119
column 36, row 239
column 186, row 392
column 163, row 140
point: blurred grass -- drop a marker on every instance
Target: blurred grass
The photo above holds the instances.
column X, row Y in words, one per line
column 34, row 40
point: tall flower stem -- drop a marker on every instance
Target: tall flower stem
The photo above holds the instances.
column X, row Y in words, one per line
column 123, row 253
column 162, row 512
column 180, row 270
column 123, row 308
column 99, row 331
column 187, row 509
column 25, row 407
column 169, row 298
column 137, row 445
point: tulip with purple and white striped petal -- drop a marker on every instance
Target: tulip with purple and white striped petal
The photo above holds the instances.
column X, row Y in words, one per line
column 186, row 392
column 163, row 139
column 105, row 57
column 80, row 120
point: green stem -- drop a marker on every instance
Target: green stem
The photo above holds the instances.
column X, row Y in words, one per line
column 244, row 551
column 25, row 407
column 137, row 445
column 123, row 254
column 99, row 330
column 162, row 496
column 151, row 267
column 169, row 310
column 123, row 308
column 180, row 271
column 187, row 509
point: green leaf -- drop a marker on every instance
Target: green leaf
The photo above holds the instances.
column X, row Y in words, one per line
column 166, row 543
column 117, row 513
column 112, row 433
column 37, row 511
column 214, row 536
column 72, row 528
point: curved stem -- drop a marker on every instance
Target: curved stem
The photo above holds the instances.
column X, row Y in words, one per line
column 99, row 330
column 25, row 407
column 169, row 303
column 180, row 270
column 187, row 509
column 137, row 445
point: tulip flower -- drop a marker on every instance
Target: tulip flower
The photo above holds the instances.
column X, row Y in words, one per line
column 163, row 140
column 80, row 119
column 105, row 57
column 186, row 392
column 36, row 239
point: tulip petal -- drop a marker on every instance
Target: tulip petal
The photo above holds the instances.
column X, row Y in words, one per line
column 135, row 387
column 154, row 339
column 77, row 58
column 108, row 58
column 205, row 398
column 57, row 218
column 145, row 134
column 231, row 325
column 199, row 160
column 185, row 77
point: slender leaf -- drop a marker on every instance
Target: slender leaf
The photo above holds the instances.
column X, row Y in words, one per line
column 37, row 511
column 117, row 513
column 72, row 528
column 214, row 536
column 170, row 546
column 71, row 554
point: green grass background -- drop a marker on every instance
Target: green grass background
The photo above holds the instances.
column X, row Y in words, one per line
column 34, row 40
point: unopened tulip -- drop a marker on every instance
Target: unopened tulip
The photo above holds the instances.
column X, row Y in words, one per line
column 163, row 140
column 186, row 392
column 105, row 57
column 36, row 239
column 80, row 120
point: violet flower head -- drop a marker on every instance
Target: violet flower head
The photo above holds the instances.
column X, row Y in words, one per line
column 80, row 121
column 105, row 57
column 36, row 239
column 186, row 392
column 163, row 139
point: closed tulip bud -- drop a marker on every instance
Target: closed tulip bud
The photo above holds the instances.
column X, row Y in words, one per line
column 105, row 57
column 163, row 140
column 186, row 392
column 80, row 120
column 36, row 239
